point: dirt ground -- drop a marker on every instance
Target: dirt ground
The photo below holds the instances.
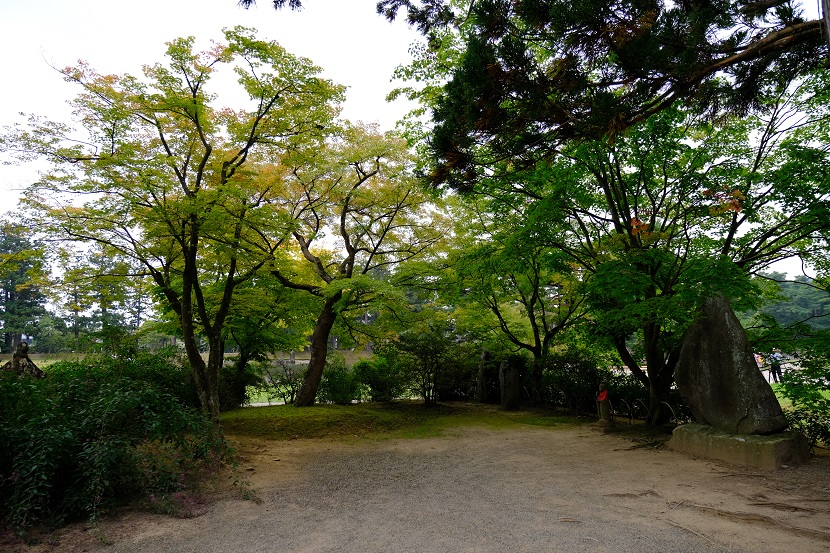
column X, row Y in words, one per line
column 533, row 489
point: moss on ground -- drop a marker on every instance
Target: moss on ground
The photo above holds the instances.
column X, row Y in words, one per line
column 402, row 419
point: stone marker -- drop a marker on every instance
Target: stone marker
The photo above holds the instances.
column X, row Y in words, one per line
column 21, row 364
column 481, row 381
column 510, row 379
column 719, row 379
column 606, row 419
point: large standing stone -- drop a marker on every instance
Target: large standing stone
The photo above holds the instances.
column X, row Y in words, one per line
column 719, row 379
column 481, row 381
column 510, row 379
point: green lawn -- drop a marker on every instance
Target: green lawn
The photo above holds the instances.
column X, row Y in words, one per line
column 377, row 420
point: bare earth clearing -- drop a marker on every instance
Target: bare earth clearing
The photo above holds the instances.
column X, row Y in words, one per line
column 523, row 489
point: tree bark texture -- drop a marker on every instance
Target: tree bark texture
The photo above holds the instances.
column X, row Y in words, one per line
column 319, row 350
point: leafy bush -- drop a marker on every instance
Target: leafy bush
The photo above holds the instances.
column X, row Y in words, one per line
column 383, row 381
column 235, row 379
column 629, row 397
column 813, row 424
column 95, row 434
column 457, row 378
column 165, row 369
column 436, row 363
column 806, row 387
column 338, row 385
column 281, row 379
column 572, row 380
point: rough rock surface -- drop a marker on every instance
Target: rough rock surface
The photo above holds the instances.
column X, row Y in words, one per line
column 510, row 378
column 719, row 379
column 20, row 363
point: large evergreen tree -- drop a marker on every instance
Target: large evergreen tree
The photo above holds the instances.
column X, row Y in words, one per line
column 21, row 301
column 536, row 73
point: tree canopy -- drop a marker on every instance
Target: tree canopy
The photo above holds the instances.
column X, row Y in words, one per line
column 536, row 73
column 356, row 210
column 162, row 176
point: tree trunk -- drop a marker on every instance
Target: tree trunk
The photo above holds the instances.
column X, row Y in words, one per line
column 659, row 410
column 238, row 384
column 538, row 372
column 206, row 377
column 216, row 356
column 205, row 374
column 319, row 350
column 660, row 379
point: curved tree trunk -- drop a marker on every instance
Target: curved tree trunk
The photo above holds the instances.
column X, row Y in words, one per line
column 660, row 380
column 319, row 350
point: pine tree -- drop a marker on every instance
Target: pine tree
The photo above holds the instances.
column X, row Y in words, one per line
column 21, row 302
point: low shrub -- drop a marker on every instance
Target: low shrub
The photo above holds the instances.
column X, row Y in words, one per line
column 337, row 385
column 571, row 380
column 382, row 381
column 628, row 396
column 236, row 378
column 435, row 362
column 95, row 434
column 281, row 379
column 815, row 425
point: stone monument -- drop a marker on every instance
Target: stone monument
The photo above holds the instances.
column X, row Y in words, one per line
column 606, row 419
column 21, row 364
column 481, row 380
column 510, row 380
column 720, row 382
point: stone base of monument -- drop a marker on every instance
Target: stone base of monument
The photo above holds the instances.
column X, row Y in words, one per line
column 762, row 452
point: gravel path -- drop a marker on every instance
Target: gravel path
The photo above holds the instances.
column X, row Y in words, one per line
column 532, row 489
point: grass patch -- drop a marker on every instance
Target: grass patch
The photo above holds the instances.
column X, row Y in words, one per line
column 401, row 419
column 259, row 395
column 551, row 420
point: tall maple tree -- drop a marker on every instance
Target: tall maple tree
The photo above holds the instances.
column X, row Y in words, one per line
column 356, row 210
column 162, row 176
column 677, row 210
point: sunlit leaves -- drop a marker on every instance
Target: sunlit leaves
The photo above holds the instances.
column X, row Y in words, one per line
column 156, row 171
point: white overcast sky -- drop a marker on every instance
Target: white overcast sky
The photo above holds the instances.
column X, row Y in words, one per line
column 351, row 43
